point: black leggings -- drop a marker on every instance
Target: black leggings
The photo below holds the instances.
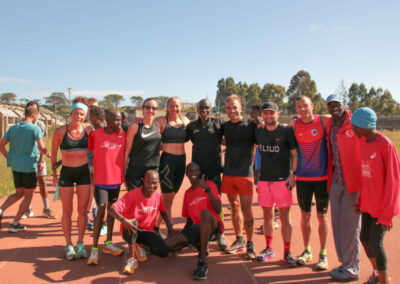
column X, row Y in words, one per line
column 172, row 171
column 371, row 237
column 150, row 239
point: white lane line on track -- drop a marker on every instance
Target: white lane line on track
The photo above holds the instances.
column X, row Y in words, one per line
column 23, row 246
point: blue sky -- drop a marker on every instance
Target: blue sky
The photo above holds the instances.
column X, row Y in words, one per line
column 182, row 48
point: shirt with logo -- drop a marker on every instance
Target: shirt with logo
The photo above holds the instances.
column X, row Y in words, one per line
column 196, row 200
column 380, row 181
column 108, row 156
column 274, row 147
column 145, row 210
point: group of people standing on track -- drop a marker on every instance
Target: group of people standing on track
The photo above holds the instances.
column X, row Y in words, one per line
column 338, row 158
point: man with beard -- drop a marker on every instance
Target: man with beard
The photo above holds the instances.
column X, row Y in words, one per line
column 278, row 150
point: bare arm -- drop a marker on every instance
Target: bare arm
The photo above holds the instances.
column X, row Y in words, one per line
column 54, row 149
column 130, row 136
column 294, row 162
column 127, row 224
column 215, row 203
column 3, row 149
column 171, row 231
column 42, row 147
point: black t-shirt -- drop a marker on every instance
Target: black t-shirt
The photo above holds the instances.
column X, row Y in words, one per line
column 239, row 148
column 206, row 139
column 275, row 154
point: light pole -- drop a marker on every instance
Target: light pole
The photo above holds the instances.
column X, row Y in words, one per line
column 69, row 96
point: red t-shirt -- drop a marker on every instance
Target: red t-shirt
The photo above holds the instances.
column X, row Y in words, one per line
column 145, row 210
column 195, row 200
column 380, row 181
column 108, row 156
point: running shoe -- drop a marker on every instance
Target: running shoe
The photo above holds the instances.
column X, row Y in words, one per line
column 94, row 257
column 16, row 228
column 140, row 253
column 131, row 265
column 222, row 243
column 201, row 271
column 373, row 279
column 322, row 263
column 237, row 246
column 275, row 224
column 80, row 250
column 48, row 213
column 250, row 252
column 303, row 258
column 112, row 249
column 288, row 260
column 103, row 230
column 28, row 214
column 266, row 254
column 90, row 225
column 70, row 253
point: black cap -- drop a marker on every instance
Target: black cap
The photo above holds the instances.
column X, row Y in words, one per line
column 270, row 106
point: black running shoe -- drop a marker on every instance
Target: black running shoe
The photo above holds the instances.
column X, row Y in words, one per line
column 201, row 271
column 288, row 260
column 16, row 228
column 250, row 252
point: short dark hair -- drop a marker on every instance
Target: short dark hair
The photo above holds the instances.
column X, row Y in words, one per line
column 256, row 107
column 30, row 111
column 150, row 99
column 31, row 103
column 97, row 111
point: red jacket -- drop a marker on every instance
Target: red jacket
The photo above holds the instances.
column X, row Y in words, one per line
column 350, row 154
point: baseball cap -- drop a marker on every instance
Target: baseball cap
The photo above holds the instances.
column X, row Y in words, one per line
column 334, row 98
column 364, row 117
column 270, row 106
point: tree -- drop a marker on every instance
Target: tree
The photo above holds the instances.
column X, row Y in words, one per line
column 342, row 91
column 357, row 96
column 114, row 99
column 24, row 100
column 227, row 87
column 137, row 101
column 57, row 99
column 274, row 93
column 252, row 97
column 301, row 84
column 162, row 101
column 8, row 98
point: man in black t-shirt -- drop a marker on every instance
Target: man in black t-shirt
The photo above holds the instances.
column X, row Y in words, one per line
column 237, row 181
column 206, row 134
column 278, row 150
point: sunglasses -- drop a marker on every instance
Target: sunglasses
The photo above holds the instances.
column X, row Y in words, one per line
column 151, row 107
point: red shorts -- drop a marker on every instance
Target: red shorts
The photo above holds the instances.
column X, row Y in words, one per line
column 271, row 193
column 237, row 185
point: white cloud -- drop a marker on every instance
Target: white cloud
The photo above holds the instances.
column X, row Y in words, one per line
column 13, row 80
column 341, row 28
column 315, row 28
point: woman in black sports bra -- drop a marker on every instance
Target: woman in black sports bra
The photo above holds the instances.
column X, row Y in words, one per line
column 143, row 143
column 72, row 139
column 173, row 158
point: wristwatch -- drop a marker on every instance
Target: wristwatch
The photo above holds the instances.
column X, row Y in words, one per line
column 292, row 172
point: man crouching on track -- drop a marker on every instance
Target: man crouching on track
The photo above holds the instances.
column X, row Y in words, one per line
column 202, row 208
column 137, row 211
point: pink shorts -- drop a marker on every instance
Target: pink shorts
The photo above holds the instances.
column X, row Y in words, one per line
column 274, row 193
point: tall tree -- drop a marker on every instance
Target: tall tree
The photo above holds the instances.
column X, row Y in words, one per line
column 8, row 98
column 274, row 93
column 227, row 87
column 302, row 84
column 24, row 100
column 162, row 101
column 136, row 101
column 114, row 99
column 342, row 90
column 253, row 96
column 56, row 99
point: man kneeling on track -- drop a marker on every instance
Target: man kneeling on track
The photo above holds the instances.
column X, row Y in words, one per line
column 137, row 211
column 202, row 208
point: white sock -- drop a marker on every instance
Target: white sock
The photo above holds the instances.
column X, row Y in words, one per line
column 1, row 211
column 46, row 203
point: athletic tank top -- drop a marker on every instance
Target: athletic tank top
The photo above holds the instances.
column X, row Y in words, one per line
column 174, row 134
column 70, row 145
column 312, row 150
column 145, row 149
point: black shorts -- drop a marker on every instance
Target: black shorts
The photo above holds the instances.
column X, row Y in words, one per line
column 134, row 176
column 102, row 195
column 150, row 239
column 305, row 191
column 192, row 233
column 26, row 180
column 70, row 175
column 172, row 171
